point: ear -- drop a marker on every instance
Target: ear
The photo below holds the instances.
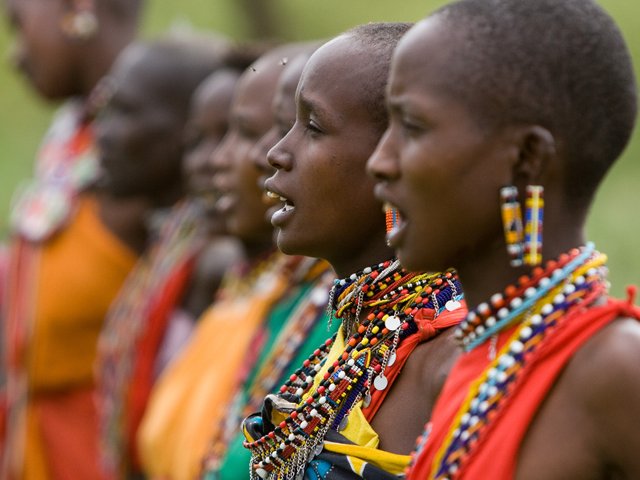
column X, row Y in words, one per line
column 536, row 152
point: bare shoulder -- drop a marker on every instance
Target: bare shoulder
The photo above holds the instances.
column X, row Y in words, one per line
column 611, row 358
column 603, row 379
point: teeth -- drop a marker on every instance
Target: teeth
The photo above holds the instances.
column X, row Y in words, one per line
column 271, row 194
column 275, row 196
column 287, row 207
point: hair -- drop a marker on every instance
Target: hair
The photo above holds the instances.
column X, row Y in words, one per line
column 562, row 65
column 379, row 40
column 184, row 62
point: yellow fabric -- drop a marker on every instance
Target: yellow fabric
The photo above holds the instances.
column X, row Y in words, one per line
column 79, row 272
column 187, row 403
column 358, row 455
column 358, row 430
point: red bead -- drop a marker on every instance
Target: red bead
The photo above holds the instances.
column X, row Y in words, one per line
column 293, row 377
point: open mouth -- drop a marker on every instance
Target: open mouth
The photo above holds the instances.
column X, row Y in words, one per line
column 282, row 209
column 275, row 197
column 395, row 223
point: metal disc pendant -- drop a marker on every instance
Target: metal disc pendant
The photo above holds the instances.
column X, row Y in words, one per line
column 380, row 382
column 392, row 359
column 452, row 305
column 392, row 323
column 343, row 423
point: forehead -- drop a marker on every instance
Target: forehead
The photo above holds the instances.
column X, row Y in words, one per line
column 337, row 74
column 427, row 54
column 257, row 84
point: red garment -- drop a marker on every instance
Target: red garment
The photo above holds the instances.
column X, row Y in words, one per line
column 497, row 450
column 428, row 328
column 148, row 347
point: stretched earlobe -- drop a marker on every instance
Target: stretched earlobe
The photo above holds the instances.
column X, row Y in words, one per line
column 81, row 22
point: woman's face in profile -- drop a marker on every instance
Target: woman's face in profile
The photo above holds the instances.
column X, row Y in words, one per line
column 41, row 50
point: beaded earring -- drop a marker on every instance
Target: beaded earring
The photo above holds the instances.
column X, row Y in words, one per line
column 392, row 217
column 81, row 23
column 512, row 224
column 534, row 213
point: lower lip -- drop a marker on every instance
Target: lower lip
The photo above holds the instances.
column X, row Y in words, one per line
column 281, row 216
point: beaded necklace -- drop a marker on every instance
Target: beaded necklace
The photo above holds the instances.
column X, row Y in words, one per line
column 540, row 303
column 391, row 298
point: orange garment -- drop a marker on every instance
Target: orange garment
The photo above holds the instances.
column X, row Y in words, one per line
column 188, row 402
column 496, row 453
column 65, row 289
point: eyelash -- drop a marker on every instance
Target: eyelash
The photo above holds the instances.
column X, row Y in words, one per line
column 312, row 128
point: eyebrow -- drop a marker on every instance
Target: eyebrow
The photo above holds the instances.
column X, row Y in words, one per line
column 313, row 106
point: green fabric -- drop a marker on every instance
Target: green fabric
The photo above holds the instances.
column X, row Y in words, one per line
column 235, row 465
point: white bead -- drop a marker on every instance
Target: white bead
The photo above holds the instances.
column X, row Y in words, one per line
column 484, row 406
column 517, row 347
column 557, row 274
column 580, row 280
column 304, row 425
column 490, row 322
column 483, row 307
column 262, row 473
column 558, row 299
column 479, row 330
column 544, row 282
column 526, row 333
column 502, row 377
column 313, row 412
column 507, row 360
column 546, row 309
column 569, row 288
column 322, row 400
column 351, row 362
column 367, row 271
column 464, row 419
column 492, row 373
column 474, row 420
column 503, row 312
column 465, row 435
column 530, row 292
column 291, row 437
column 299, row 392
column 332, row 387
column 493, row 391
column 496, row 298
column 353, row 277
column 516, row 302
column 341, row 374
column 536, row 319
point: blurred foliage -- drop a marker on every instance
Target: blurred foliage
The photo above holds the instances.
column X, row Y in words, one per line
column 613, row 223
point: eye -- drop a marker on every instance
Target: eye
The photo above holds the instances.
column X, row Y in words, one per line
column 410, row 126
column 313, row 128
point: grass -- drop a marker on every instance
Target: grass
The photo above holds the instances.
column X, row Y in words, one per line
column 613, row 223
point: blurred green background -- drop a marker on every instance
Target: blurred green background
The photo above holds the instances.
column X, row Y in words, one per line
column 613, row 222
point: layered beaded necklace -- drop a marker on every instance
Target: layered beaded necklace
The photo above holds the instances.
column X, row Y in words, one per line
column 540, row 303
column 390, row 298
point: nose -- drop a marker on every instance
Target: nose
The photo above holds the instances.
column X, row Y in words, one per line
column 220, row 157
column 258, row 153
column 280, row 156
column 383, row 162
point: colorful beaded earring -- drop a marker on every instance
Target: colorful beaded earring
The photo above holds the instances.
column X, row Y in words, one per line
column 392, row 217
column 534, row 209
column 512, row 224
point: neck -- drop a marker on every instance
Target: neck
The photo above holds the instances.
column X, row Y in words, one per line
column 374, row 252
column 126, row 218
column 489, row 271
column 255, row 249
